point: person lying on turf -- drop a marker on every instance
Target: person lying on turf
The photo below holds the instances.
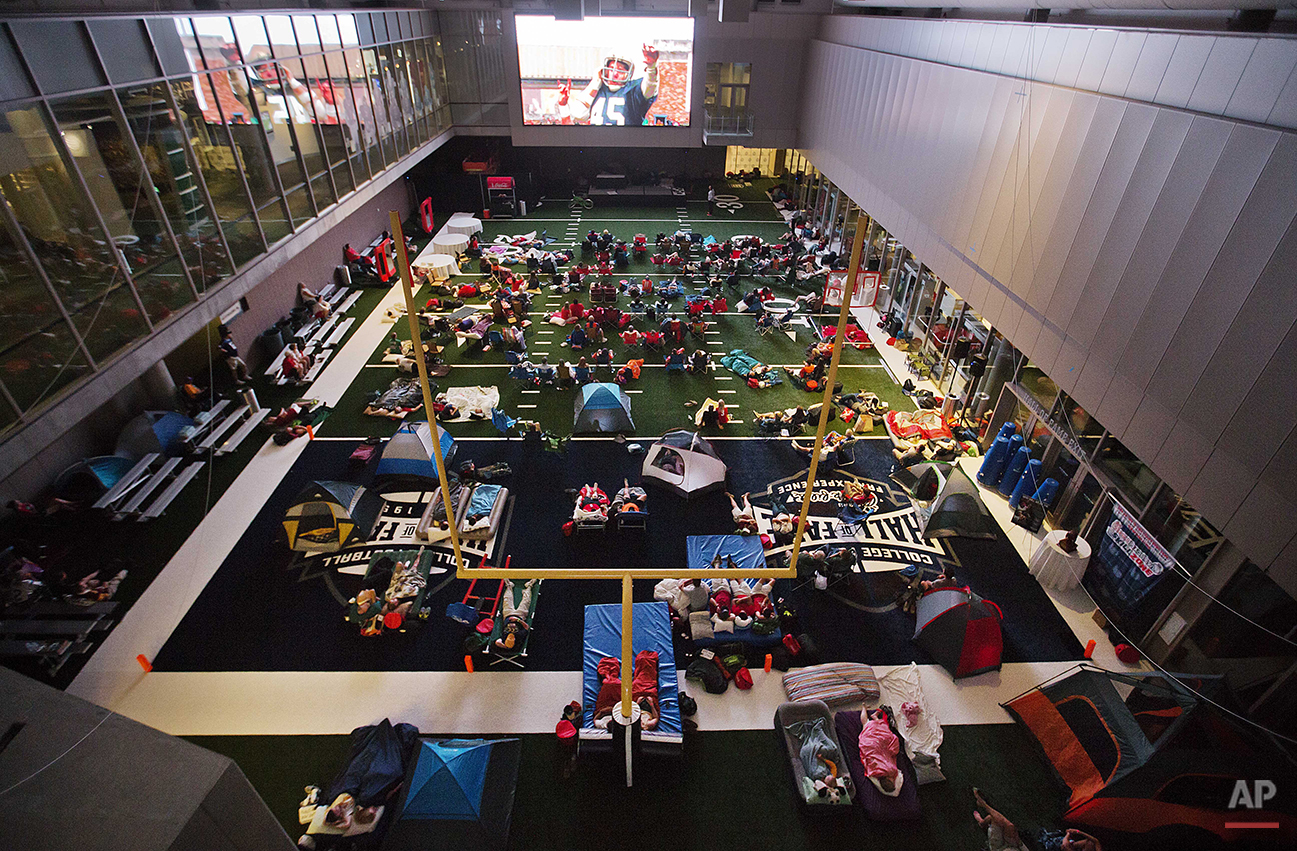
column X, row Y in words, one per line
column 514, row 634
column 744, row 519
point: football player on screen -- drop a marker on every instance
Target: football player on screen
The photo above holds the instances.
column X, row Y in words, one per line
column 613, row 95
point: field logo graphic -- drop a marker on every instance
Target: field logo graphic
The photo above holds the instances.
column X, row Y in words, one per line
column 887, row 536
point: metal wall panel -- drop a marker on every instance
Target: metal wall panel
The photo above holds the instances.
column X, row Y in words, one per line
column 1220, row 487
column 1069, row 67
column 1221, row 73
column 1036, row 270
column 1237, row 170
column 1121, row 64
column 1150, row 68
column 1097, row 56
column 1211, row 396
column 1265, row 520
column 1045, row 109
column 1148, row 226
column 1033, row 225
column 1184, row 185
column 1268, row 68
column 1141, row 193
column 1184, row 69
column 1119, row 163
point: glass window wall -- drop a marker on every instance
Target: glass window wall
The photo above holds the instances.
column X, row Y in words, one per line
column 1133, row 478
column 142, row 180
column 176, row 180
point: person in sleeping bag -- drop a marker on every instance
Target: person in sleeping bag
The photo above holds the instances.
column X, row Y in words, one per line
column 644, row 689
column 878, row 749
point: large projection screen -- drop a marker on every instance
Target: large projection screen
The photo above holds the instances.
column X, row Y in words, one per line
column 618, row 71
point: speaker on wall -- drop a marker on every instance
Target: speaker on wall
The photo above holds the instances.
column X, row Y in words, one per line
column 977, row 366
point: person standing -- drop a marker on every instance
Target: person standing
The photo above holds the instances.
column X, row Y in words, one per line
column 238, row 368
column 711, row 199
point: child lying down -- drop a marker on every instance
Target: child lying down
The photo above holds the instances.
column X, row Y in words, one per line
column 824, row 769
column 878, row 749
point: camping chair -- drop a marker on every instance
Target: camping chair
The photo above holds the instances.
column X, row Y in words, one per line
column 516, row 657
column 631, row 507
column 594, row 517
column 503, row 422
column 478, row 610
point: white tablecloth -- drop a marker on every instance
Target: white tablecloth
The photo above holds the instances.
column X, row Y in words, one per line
column 442, row 265
column 464, row 223
column 1055, row 568
column 449, row 243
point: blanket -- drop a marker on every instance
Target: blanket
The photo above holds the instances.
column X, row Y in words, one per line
column 483, row 500
column 474, row 403
column 815, row 742
column 401, row 396
column 744, row 365
column 901, row 689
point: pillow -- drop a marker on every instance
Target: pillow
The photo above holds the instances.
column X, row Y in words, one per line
column 833, row 683
column 926, row 768
column 700, row 625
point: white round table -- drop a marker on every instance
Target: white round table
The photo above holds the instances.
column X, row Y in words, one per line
column 442, row 265
column 1054, row 568
column 464, row 223
column 450, row 243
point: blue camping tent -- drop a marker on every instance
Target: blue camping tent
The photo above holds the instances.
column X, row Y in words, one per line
column 458, row 794
column 152, row 431
column 409, row 453
column 602, row 408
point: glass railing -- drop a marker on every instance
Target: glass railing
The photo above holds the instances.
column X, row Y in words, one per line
column 727, row 125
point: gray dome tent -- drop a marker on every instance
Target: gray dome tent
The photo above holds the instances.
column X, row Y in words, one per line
column 946, row 501
column 409, row 454
column 684, row 462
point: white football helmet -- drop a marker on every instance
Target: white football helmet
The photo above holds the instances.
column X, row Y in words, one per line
column 617, row 71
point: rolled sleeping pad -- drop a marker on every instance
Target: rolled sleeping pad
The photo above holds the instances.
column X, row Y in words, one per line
column 997, row 457
column 1009, row 429
column 1027, row 482
column 1046, row 492
column 1013, row 472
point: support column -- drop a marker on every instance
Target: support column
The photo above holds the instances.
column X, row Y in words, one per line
column 159, row 384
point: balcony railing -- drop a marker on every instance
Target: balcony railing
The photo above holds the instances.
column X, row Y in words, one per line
column 728, row 126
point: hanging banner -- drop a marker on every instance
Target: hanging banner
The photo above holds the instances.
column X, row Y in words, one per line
column 383, row 261
column 1129, row 560
column 425, row 215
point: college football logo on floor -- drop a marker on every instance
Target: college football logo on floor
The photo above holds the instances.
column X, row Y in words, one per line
column 875, row 518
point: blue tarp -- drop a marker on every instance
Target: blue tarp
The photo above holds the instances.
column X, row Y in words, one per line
column 651, row 630
column 746, row 551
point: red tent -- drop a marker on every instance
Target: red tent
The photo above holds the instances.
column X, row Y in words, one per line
column 960, row 630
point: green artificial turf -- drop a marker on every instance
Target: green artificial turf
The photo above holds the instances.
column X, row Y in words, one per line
column 731, row 790
column 661, row 401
